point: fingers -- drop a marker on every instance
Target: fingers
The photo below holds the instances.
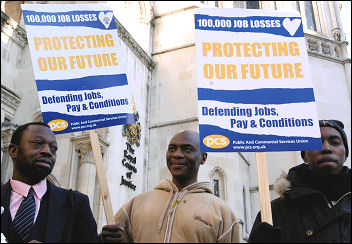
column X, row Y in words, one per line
column 113, row 228
column 112, row 233
column 112, row 240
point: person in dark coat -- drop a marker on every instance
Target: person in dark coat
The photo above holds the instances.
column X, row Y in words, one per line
column 315, row 197
column 34, row 209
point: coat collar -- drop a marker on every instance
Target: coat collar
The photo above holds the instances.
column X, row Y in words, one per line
column 294, row 184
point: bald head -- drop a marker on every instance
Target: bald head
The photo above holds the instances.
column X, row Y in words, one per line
column 184, row 158
column 189, row 135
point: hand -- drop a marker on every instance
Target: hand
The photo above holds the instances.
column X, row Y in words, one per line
column 265, row 232
column 112, row 234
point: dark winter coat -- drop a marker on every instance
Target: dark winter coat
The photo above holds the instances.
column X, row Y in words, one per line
column 303, row 212
column 67, row 217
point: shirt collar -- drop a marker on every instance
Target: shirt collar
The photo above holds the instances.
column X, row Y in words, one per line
column 22, row 188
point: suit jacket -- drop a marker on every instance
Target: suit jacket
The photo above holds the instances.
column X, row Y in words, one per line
column 70, row 218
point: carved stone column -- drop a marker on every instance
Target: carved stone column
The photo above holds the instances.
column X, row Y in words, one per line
column 10, row 102
column 85, row 176
column 86, row 171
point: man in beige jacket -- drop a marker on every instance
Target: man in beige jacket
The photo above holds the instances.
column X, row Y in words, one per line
column 177, row 210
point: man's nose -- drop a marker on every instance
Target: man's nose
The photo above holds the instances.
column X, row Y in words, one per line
column 46, row 149
column 326, row 146
column 178, row 153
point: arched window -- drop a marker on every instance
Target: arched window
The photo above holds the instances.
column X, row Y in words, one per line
column 217, row 178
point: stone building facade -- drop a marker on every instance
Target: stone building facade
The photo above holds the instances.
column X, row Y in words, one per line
column 159, row 48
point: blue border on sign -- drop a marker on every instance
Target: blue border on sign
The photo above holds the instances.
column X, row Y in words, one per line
column 276, row 30
column 85, row 23
column 83, row 83
column 262, row 96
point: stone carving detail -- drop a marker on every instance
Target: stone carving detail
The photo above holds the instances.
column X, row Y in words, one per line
column 9, row 100
column 7, row 129
column 312, row 45
column 325, row 49
column 83, row 145
column 337, row 52
column 85, row 152
column 133, row 131
column 133, row 45
column 336, row 34
column 13, row 30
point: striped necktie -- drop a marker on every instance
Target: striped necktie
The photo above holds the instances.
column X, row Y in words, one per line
column 23, row 221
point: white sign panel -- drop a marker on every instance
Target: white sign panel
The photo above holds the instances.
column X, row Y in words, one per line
column 78, row 66
column 254, row 85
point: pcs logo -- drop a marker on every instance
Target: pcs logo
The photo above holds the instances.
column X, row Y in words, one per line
column 216, row 141
column 58, row 124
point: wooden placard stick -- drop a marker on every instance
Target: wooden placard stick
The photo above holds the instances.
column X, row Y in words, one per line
column 104, row 189
column 263, row 185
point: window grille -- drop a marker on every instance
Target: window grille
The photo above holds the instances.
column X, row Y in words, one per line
column 310, row 15
column 252, row 4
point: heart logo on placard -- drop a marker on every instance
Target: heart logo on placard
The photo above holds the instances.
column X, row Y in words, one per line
column 291, row 26
column 105, row 18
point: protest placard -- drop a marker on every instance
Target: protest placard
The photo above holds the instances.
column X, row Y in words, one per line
column 78, row 66
column 80, row 73
column 254, row 84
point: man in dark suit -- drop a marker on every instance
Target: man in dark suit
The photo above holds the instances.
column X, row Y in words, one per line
column 32, row 208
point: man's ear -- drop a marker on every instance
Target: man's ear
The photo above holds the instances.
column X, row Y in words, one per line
column 13, row 151
column 204, row 158
column 305, row 158
column 344, row 159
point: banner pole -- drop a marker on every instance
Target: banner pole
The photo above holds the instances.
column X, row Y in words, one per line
column 104, row 189
column 263, row 186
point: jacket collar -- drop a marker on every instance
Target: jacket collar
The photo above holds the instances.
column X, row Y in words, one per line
column 169, row 186
column 294, row 184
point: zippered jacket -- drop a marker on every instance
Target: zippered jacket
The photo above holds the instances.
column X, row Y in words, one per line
column 304, row 214
column 166, row 215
